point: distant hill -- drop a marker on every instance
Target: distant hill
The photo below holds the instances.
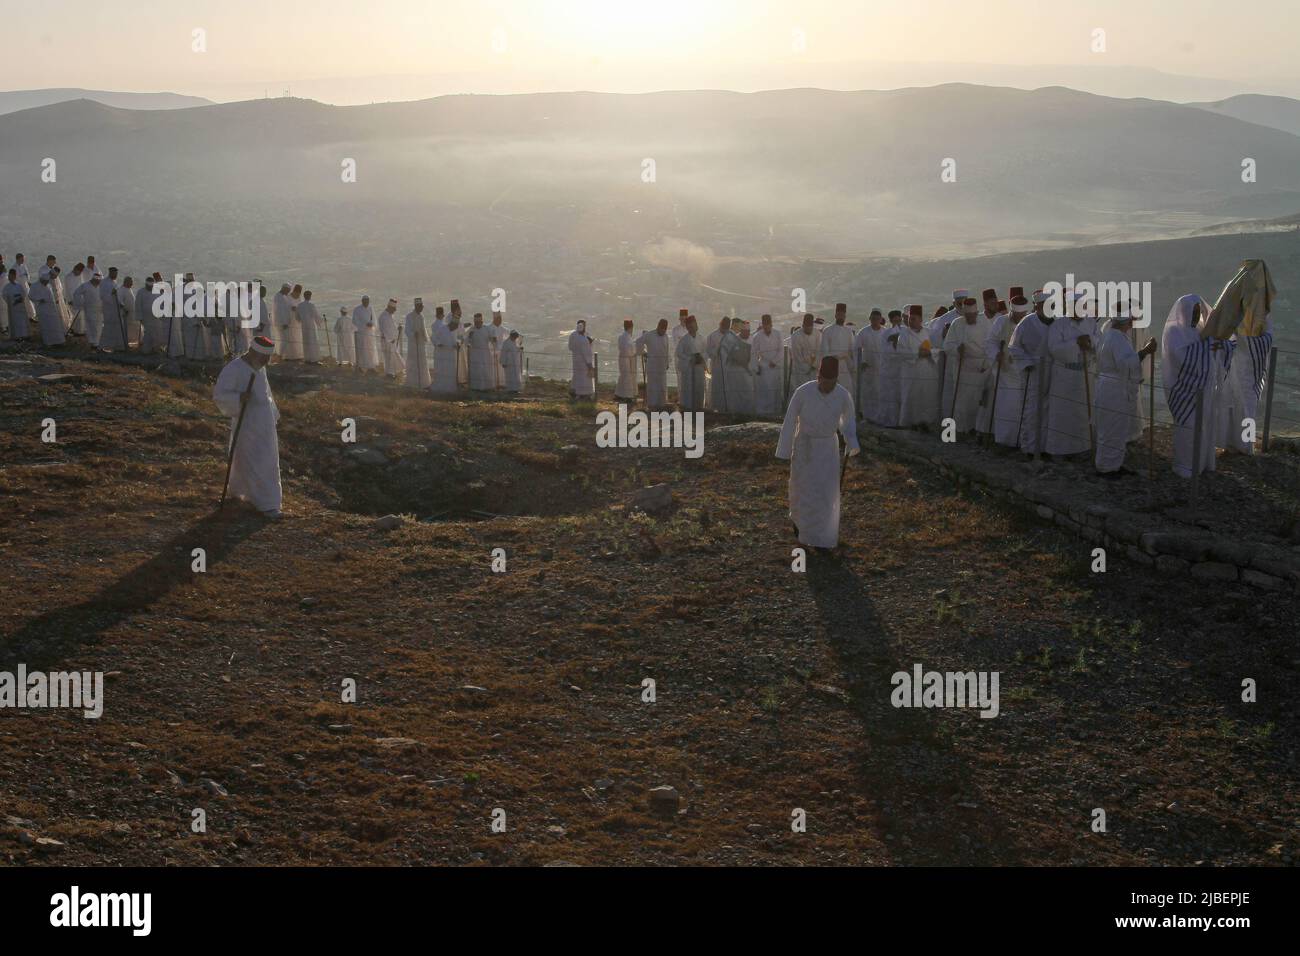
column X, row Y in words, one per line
column 1277, row 112
column 15, row 100
column 818, row 171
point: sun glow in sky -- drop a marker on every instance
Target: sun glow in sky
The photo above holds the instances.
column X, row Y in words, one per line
column 629, row 45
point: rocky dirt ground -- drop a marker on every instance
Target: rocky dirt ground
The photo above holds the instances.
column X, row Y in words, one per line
column 523, row 690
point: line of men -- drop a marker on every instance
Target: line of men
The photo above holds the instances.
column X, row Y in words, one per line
column 1067, row 386
column 730, row 370
column 1009, row 370
column 444, row 356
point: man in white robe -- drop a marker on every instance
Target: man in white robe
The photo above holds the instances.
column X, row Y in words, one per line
column 737, row 353
column 444, row 344
column 1191, row 367
column 1072, row 342
column 938, row 330
column 818, row 412
column 512, row 364
column 193, row 315
column 805, row 345
column 481, row 346
column 499, row 334
column 584, row 363
column 417, row 352
column 689, row 360
column 71, row 283
column 769, row 369
column 345, row 338
column 366, row 336
column 866, row 349
column 965, row 367
column 1241, row 387
column 389, row 336
column 717, row 386
column 918, row 375
column 60, row 294
column 995, row 310
column 892, row 381
column 312, row 328
column 626, row 388
column 47, row 310
column 88, row 301
column 126, row 306
column 1119, row 375
column 656, row 346
column 293, row 350
column 837, row 341
column 242, row 387
column 113, row 331
column 15, row 299
column 154, row 338
column 1008, row 377
column 282, row 316
column 24, row 280
column 719, row 397
column 1028, row 351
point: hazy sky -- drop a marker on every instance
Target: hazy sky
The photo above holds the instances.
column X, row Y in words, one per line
column 359, row 50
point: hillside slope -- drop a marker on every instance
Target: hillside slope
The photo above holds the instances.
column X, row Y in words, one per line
column 523, row 690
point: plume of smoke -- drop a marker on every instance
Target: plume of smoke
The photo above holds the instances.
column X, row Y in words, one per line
column 681, row 255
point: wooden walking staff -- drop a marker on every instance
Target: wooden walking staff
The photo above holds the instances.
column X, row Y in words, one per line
column 1151, row 420
column 1087, row 394
column 234, row 440
column 993, row 406
column 1024, row 399
column 956, row 385
column 121, row 322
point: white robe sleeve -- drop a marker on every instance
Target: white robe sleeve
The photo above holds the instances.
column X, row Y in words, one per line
column 848, row 420
column 230, row 386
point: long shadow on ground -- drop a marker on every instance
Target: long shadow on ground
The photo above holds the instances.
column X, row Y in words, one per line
column 56, row 634
column 913, row 776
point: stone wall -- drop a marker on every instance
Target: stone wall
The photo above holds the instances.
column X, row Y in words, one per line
column 1145, row 539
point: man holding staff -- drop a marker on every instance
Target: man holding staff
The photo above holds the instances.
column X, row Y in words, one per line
column 243, row 392
column 819, row 410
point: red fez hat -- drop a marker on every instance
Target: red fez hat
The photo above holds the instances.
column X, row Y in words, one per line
column 840, row 307
column 682, row 313
column 969, row 300
column 914, row 310
column 990, row 293
column 1015, row 291
column 830, row 367
column 1002, row 305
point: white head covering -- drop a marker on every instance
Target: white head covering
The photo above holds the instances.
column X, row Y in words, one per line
column 1180, row 327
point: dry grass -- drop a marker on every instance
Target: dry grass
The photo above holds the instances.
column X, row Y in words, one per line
column 1120, row 691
